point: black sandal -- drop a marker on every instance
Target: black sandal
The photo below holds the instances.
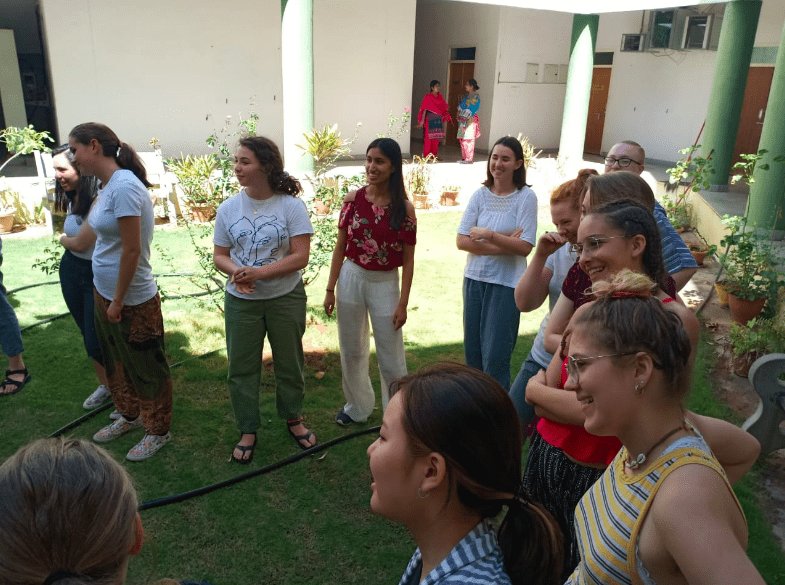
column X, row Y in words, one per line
column 299, row 438
column 18, row 385
column 245, row 449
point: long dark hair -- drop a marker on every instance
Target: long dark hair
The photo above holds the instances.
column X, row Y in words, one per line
column 85, row 193
column 395, row 187
column 112, row 147
column 519, row 175
column 632, row 219
column 467, row 417
column 269, row 157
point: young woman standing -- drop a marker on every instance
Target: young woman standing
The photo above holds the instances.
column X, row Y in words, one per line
column 262, row 241
column 377, row 232
column 127, row 304
column 76, row 195
column 433, row 114
column 469, row 121
column 498, row 230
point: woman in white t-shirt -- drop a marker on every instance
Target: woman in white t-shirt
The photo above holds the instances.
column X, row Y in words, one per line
column 262, row 241
column 128, row 315
column 498, row 230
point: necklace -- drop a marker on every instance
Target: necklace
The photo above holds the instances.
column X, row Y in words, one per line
column 631, row 463
column 256, row 204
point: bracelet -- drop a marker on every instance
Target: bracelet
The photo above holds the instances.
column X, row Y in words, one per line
column 332, row 290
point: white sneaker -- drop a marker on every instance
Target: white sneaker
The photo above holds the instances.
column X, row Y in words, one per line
column 115, row 415
column 117, row 428
column 97, row 398
column 148, row 446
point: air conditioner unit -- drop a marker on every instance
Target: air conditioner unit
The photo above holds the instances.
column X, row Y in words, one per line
column 632, row 43
column 682, row 28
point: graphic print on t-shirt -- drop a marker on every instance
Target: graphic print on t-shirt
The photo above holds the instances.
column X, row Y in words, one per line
column 260, row 240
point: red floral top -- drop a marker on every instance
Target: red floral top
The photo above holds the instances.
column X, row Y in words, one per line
column 370, row 243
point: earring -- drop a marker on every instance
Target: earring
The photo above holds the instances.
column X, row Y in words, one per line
column 420, row 494
column 638, row 388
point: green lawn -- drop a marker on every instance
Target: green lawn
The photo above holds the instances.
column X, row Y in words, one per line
column 308, row 522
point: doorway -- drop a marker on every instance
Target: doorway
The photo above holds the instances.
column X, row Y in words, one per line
column 598, row 101
column 753, row 111
column 459, row 73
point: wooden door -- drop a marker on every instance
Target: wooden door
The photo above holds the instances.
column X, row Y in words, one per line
column 753, row 110
column 595, row 123
column 460, row 73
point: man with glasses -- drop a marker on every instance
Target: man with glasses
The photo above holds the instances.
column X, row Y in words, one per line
column 679, row 263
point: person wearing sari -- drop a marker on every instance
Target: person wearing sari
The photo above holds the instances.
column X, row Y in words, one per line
column 432, row 117
column 468, row 121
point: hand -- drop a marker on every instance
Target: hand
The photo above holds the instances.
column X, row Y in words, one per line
column 419, row 126
column 517, row 233
column 479, row 233
column 329, row 303
column 245, row 275
column 531, row 391
column 549, row 242
column 114, row 312
column 399, row 317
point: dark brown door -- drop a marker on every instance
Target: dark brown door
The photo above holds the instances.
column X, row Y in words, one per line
column 595, row 123
column 460, row 73
column 753, row 110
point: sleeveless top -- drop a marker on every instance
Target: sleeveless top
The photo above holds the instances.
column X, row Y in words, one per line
column 370, row 241
column 610, row 515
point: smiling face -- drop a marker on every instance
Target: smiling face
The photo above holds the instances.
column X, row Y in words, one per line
column 85, row 155
column 378, row 168
column 566, row 219
column 65, row 173
column 605, row 386
column 606, row 250
column 393, row 469
column 247, row 168
column 502, row 163
column 436, row 88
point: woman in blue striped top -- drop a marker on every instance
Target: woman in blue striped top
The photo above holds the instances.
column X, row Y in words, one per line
column 447, row 460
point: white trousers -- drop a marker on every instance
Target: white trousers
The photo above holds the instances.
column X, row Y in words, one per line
column 362, row 293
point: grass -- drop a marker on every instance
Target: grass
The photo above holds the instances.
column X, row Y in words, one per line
column 308, row 522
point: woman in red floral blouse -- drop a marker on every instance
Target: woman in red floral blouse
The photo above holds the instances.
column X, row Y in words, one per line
column 377, row 231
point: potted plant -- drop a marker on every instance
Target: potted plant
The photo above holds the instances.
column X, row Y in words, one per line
column 7, row 210
column 699, row 251
column 200, row 193
column 690, row 175
column 418, row 179
column 753, row 340
column 450, row 195
column 750, row 266
column 529, row 154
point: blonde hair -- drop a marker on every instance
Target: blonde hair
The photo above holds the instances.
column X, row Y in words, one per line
column 65, row 505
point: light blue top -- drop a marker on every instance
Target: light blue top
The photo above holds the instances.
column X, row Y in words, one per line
column 73, row 223
column 504, row 215
column 675, row 253
column 476, row 559
column 559, row 263
column 257, row 233
column 123, row 196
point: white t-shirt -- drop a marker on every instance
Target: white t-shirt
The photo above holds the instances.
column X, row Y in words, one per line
column 257, row 233
column 123, row 196
column 504, row 215
column 559, row 263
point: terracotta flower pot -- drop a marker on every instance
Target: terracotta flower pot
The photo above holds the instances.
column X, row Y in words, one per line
column 742, row 363
column 202, row 213
column 722, row 293
column 6, row 222
column 742, row 310
column 321, row 207
column 449, row 198
column 421, row 201
column 699, row 254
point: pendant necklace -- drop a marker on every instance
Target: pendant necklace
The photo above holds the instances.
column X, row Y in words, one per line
column 631, row 463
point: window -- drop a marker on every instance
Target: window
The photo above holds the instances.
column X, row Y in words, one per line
column 661, row 25
column 463, row 54
column 696, row 32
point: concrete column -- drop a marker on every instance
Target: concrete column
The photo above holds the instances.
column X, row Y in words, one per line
column 767, row 197
column 576, row 100
column 727, row 91
column 297, row 57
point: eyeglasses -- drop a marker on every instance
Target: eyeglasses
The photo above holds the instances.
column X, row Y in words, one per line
column 574, row 365
column 623, row 162
column 591, row 244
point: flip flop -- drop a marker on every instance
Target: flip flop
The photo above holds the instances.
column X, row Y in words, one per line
column 18, row 384
column 245, row 449
column 299, row 438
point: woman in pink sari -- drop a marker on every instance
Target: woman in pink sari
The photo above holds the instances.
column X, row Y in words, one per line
column 433, row 114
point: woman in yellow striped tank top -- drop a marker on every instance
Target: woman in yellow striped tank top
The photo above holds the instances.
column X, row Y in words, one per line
column 664, row 511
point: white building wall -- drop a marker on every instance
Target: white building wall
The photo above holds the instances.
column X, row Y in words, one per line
column 363, row 66
column 442, row 26
column 173, row 70
column 772, row 17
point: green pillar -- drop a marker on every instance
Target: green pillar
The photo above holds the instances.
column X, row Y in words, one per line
column 767, row 193
column 576, row 99
column 727, row 90
column 297, row 61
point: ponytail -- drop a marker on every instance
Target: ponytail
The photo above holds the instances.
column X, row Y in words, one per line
column 127, row 158
column 111, row 147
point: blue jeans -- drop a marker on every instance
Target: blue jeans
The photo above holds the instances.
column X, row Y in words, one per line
column 76, row 282
column 490, row 327
column 10, row 336
column 518, row 390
